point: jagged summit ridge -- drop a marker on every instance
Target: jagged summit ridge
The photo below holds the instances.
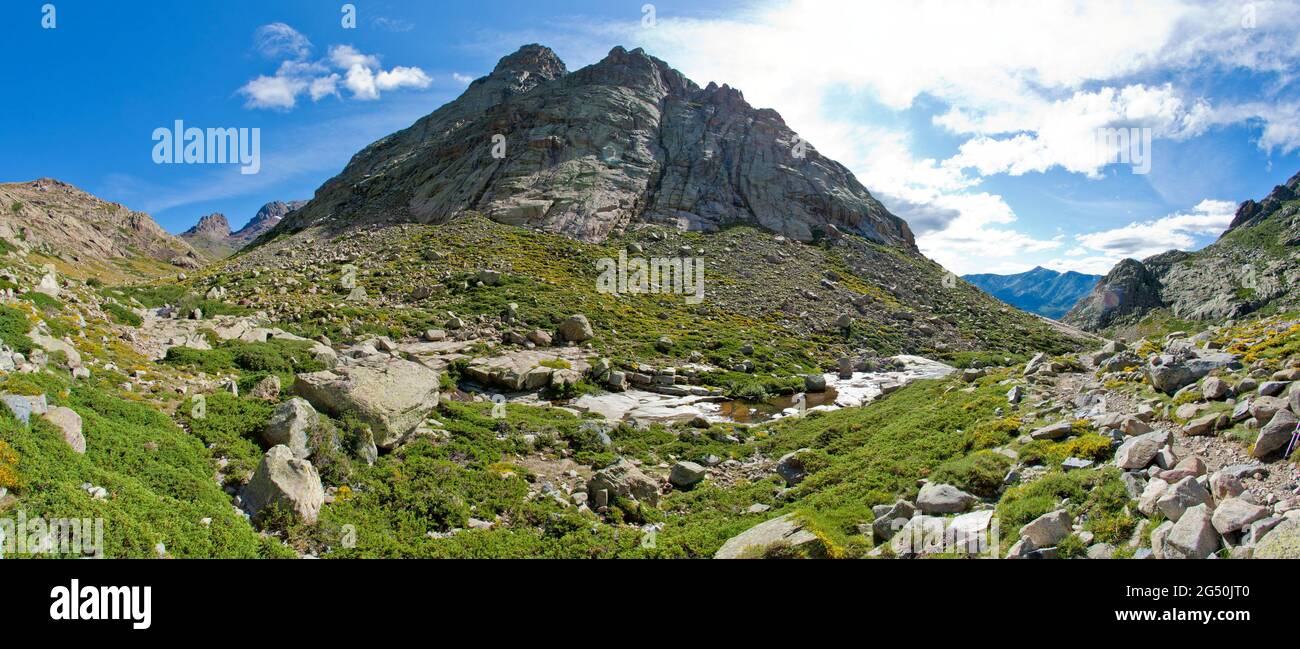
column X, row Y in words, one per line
column 586, row 153
column 212, row 226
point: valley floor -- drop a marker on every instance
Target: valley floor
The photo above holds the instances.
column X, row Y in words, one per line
column 196, row 423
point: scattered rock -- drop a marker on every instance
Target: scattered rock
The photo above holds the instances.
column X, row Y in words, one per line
column 69, row 423
column 285, row 482
column 782, row 533
column 944, row 499
column 290, row 425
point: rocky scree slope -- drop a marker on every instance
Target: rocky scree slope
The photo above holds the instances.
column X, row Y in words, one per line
column 1253, row 266
column 586, row 153
column 57, row 220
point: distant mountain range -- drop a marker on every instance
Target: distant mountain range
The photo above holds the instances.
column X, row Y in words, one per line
column 1041, row 290
column 212, row 237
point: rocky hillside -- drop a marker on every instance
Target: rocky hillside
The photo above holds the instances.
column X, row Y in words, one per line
column 1253, row 267
column 212, row 236
column 1045, row 292
column 86, row 235
column 585, row 154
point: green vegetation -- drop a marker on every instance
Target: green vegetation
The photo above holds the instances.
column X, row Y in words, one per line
column 43, row 302
column 281, row 357
column 1096, row 493
column 157, row 296
column 980, row 473
column 158, row 477
column 14, row 326
column 123, row 315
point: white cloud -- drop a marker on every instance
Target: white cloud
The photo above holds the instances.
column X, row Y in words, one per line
column 278, row 40
column 402, row 77
column 1028, row 85
column 1066, row 133
column 1180, row 230
column 346, row 56
column 463, row 79
column 324, row 87
column 362, row 74
column 393, row 24
column 273, row 92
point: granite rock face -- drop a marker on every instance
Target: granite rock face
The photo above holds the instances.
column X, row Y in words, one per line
column 585, row 153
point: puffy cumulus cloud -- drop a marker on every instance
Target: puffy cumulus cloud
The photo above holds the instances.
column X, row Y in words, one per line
column 361, row 74
column 273, row 92
column 1180, row 230
column 1071, row 133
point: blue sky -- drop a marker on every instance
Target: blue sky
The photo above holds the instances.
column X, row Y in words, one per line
column 976, row 121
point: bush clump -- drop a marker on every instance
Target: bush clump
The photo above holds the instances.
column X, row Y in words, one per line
column 980, row 473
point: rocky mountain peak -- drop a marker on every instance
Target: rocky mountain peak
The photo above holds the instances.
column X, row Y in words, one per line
column 1251, row 212
column 266, row 218
column 532, row 59
column 212, row 226
column 588, row 153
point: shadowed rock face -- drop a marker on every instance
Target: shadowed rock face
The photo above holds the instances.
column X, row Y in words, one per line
column 586, row 153
column 1128, row 288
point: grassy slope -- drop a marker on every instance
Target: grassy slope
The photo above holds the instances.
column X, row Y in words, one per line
column 159, row 478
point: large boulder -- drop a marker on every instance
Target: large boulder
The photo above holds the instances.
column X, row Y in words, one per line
column 944, row 499
column 624, row 480
column 685, row 475
column 576, row 329
column 1263, row 408
column 1181, row 496
column 890, row 518
column 1047, row 530
column 791, row 467
column 1235, row 514
column 24, row 406
column 1052, row 431
column 782, row 533
column 1138, row 452
column 291, row 424
column 1169, row 372
column 1193, row 536
column 392, row 395
column 69, row 424
column 285, row 482
column 1148, row 502
column 1275, row 435
column 1283, row 542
